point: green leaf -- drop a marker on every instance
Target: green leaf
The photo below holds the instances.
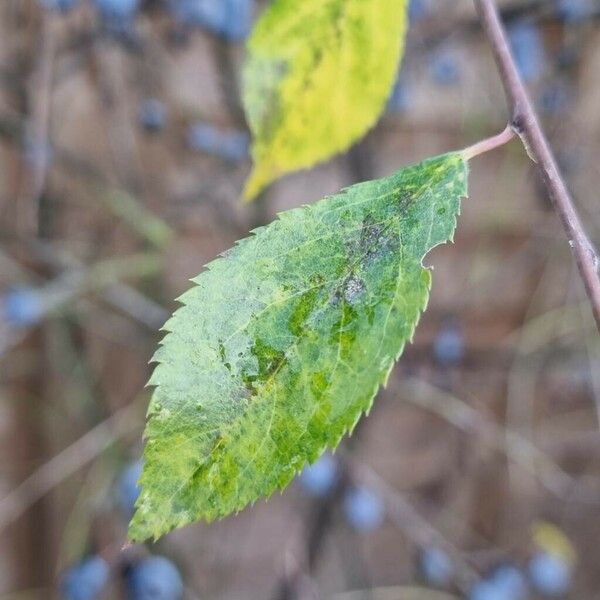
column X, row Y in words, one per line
column 317, row 78
column 283, row 342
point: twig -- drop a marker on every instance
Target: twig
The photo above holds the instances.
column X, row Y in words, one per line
column 67, row 462
column 542, row 11
column 121, row 135
column 515, row 446
column 38, row 150
column 315, row 528
column 406, row 592
column 103, row 278
column 525, row 122
column 119, row 295
column 410, row 520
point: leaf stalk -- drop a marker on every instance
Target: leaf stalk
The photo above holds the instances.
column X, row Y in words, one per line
column 489, row 144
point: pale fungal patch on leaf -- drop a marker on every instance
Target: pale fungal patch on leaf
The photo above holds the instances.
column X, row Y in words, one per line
column 352, row 289
column 280, row 346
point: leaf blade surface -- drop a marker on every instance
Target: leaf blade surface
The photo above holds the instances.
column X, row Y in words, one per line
column 282, row 343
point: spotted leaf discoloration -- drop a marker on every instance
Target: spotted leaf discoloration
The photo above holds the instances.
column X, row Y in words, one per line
column 282, row 344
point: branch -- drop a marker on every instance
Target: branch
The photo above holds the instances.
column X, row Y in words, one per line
column 67, row 462
column 526, row 123
column 38, row 126
column 414, row 525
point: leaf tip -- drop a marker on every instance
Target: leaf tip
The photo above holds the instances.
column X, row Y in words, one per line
column 256, row 183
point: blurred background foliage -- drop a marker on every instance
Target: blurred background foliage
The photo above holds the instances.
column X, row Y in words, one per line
column 123, row 151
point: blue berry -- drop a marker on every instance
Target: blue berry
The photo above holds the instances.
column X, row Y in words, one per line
column 418, row 9
column 554, row 99
column 506, row 582
column 550, row 574
column 230, row 145
column 364, row 509
column 436, row 567
column 445, row 69
column 37, row 155
column 117, row 10
column 528, row 49
column 238, row 19
column 85, row 580
column 449, row 345
column 22, row 307
column 510, row 578
column 203, row 13
column 319, row 478
column 154, row 578
column 231, row 19
column 152, row 115
column 399, row 98
column 63, row 6
column 128, row 489
column 487, row 590
column 574, row 11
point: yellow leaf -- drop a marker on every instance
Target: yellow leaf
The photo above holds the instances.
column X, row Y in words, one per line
column 317, row 78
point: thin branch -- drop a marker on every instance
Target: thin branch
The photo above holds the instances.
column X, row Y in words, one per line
column 414, row 525
column 38, row 147
column 543, row 11
column 520, row 450
column 67, row 462
column 406, row 592
column 525, row 122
